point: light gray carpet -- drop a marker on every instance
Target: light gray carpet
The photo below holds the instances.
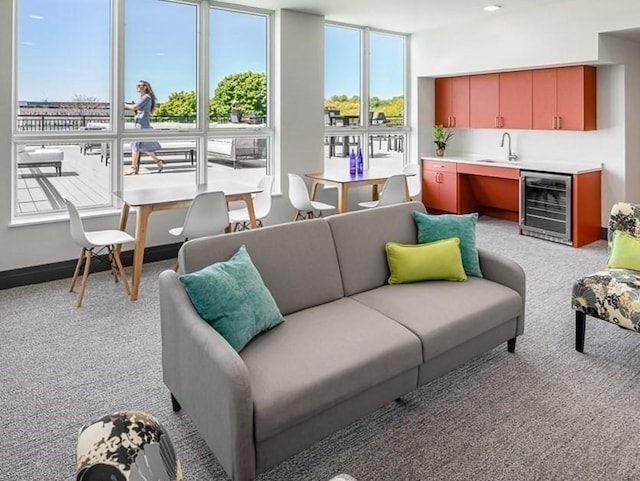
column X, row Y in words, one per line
column 546, row 412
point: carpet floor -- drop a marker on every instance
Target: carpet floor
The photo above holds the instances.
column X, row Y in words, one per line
column 546, row 412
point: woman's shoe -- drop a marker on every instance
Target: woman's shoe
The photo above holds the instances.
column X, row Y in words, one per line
column 160, row 166
column 131, row 172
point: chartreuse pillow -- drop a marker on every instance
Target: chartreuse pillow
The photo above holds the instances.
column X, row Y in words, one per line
column 444, row 226
column 232, row 297
column 625, row 251
column 439, row 260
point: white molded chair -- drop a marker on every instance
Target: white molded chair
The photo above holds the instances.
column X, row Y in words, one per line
column 413, row 181
column 393, row 192
column 207, row 215
column 300, row 200
column 91, row 240
column 261, row 206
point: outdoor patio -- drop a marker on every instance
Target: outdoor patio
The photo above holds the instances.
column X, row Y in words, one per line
column 85, row 177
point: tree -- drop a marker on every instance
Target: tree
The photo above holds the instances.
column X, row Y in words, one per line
column 178, row 105
column 247, row 89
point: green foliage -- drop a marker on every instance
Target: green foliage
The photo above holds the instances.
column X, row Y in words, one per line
column 441, row 136
column 179, row 104
column 247, row 89
column 393, row 108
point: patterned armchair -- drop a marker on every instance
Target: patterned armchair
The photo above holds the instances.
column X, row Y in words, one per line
column 612, row 295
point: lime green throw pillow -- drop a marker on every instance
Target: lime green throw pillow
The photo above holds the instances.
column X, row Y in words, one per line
column 444, row 226
column 625, row 251
column 233, row 299
column 439, row 260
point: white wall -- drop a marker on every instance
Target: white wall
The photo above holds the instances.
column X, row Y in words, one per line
column 559, row 34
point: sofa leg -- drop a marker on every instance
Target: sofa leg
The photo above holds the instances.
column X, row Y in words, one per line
column 511, row 345
column 581, row 318
column 175, row 404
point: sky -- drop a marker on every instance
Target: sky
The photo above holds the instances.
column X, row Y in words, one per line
column 64, row 50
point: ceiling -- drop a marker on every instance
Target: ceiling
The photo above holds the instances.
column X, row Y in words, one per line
column 403, row 16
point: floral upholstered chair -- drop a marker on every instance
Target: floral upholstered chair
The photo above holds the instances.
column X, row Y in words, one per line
column 613, row 294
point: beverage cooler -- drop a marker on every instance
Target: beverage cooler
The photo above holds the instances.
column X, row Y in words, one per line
column 545, row 206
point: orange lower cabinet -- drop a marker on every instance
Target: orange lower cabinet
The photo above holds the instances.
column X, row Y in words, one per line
column 586, row 208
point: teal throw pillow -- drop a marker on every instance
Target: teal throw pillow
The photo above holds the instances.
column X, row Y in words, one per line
column 444, row 226
column 233, row 299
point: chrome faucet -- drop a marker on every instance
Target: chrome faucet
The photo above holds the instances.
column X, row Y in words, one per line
column 512, row 155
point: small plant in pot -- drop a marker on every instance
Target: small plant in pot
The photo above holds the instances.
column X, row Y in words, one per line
column 440, row 138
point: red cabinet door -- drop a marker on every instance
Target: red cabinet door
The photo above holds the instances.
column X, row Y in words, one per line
column 576, row 98
column 516, row 101
column 430, row 188
column 443, row 93
column 484, row 101
column 544, row 98
column 448, row 201
column 460, row 102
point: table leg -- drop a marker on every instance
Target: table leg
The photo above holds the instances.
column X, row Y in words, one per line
column 138, row 253
column 248, row 199
column 343, row 198
column 374, row 192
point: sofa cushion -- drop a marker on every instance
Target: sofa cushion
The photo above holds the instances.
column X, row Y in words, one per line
column 439, row 260
column 297, row 260
column 445, row 314
column 443, row 226
column 360, row 238
column 232, row 298
column 320, row 357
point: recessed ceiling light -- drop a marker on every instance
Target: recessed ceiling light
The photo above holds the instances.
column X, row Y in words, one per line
column 492, row 8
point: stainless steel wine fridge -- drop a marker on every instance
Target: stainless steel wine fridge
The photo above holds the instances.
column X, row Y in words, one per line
column 545, row 206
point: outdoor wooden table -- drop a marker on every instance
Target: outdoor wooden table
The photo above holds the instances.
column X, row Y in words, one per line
column 154, row 199
column 344, row 181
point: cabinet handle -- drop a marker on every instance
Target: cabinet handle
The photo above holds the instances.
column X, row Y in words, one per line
column 501, row 121
column 559, row 122
column 554, row 122
column 497, row 122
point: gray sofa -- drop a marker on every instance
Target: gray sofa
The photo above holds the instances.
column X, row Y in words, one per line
column 350, row 343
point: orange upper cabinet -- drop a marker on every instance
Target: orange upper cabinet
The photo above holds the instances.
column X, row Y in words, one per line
column 564, row 98
column 452, row 101
column 516, row 100
column 501, row 100
column 485, row 101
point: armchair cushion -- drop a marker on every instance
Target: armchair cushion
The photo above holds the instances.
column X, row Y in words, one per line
column 232, row 297
column 610, row 295
column 624, row 252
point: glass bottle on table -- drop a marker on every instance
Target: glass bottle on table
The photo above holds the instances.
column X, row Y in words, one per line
column 359, row 162
column 352, row 163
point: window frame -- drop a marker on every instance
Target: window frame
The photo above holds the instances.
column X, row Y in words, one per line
column 117, row 134
column 364, row 130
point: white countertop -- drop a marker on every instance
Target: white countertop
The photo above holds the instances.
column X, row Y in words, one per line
column 556, row 167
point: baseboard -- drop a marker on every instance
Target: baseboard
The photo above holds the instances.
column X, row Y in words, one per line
column 64, row 269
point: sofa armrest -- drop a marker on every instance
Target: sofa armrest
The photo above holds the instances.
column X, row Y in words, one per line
column 498, row 268
column 208, row 378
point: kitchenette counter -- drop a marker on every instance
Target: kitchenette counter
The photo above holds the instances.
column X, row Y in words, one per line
column 462, row 183
column 554, row 167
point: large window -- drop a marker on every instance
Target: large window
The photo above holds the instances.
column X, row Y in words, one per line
column 79, row 65
column 365, row 96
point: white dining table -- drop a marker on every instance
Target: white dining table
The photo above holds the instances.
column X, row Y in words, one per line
column 155, row 199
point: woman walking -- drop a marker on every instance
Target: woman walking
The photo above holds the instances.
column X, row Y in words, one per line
column 143, row 108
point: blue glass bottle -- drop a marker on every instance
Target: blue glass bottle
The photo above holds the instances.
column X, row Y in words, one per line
column 359, row 162
column 352, row 163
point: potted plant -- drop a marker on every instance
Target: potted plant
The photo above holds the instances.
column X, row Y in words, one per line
column 440, row 138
